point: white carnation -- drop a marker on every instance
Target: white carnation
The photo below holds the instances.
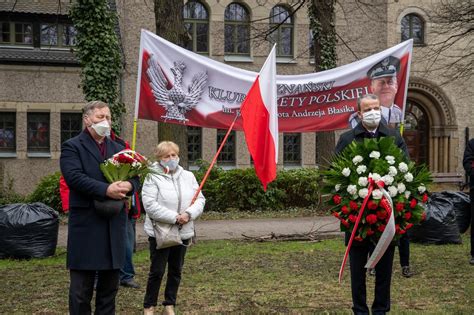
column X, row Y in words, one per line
column 346, row 172
column 409, row 177
column 357, row 159
column 376, row 177
column 407, row 194
column 403, row 167
column 374, row 154
column 390, row 159
column 363, row 192
column 392, row 191
column 377, row 194
column 361, row 169
column 337, row 187
column 387, row 179
column 363, row 181
column 392, row 171
column 401, row 188
column 421, row 189
column 352, row 189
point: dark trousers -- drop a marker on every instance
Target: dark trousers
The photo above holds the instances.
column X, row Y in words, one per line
column 404, row 250
column 472, row 220
column 174, row 257
column 383, row 277
column 127, row 273
column 82, row 288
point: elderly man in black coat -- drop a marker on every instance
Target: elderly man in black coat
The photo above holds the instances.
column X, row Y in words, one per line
column 96, row 231
column 370, row 126
column 468, row 163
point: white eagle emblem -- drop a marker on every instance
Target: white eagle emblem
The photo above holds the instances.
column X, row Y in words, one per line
column 178, row 100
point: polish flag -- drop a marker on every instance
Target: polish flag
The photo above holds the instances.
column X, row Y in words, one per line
column 260, row 121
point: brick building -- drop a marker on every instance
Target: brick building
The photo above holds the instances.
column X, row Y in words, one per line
column 40, row 97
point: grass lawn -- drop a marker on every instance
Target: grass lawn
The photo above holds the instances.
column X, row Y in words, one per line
column 251, row 278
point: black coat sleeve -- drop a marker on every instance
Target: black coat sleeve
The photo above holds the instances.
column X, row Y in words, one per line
column 468, row 157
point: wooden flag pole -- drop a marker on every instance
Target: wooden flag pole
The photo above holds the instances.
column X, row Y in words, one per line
column 214, row 159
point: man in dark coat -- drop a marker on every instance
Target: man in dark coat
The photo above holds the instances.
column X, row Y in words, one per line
column 96, row 240
column 370, row 126
column 468, row 163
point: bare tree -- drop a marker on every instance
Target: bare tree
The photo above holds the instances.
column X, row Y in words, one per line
column 170, row 26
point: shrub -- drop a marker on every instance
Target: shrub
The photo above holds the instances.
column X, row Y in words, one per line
column 47, row 192
column 9, row 196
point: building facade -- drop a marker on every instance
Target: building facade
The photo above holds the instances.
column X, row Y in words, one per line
column 40, row 96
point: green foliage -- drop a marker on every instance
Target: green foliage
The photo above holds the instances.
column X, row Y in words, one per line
column 324, row 38
column 241, row 189
column 9, row 196
column 99, row 53
column 47, row 192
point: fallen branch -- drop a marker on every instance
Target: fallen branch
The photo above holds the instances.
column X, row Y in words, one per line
column 314, row 235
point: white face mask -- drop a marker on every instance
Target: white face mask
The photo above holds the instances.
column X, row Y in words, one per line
column 102, row 128
column 371, row 118
column 171, row 164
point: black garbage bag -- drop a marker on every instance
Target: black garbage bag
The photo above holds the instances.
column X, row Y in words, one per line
column 28, row 230
column 462, row 207
column 440, row 226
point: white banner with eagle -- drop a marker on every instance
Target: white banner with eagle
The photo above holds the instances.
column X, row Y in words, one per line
column 178, row 86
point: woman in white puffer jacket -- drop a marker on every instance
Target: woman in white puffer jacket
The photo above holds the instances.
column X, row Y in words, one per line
column 166, row 197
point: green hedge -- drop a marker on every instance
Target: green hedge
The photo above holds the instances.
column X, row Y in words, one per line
column 233, row 189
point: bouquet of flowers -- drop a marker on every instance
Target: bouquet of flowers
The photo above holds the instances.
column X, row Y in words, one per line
column 376, row 163
column 124, row 165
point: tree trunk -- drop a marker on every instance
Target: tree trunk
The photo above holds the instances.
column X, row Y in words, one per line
column 321, row 15
column 170, row 26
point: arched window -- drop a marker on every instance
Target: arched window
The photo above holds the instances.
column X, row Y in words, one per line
column 237, row 30
column 281, row 25
column 413, row 27
column 196, row 22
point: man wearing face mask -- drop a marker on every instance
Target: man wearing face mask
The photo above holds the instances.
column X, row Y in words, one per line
column 96, row 238
column 370, row 126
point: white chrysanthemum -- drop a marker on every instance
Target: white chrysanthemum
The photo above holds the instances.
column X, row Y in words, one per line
column 346, row 172
column 352, row 189
column 363, row 181
column 392, row 171
column 403, row 167
column 337, row 187
column 407, row 194
column 387, row 179
column 390, row 159
column 363, row 192
column 401, row 188
column 409, row 177
column 377, row 194
column 392, row 191
column 361, row 169
column 374, row 154
column 421, row 189
column 357, row 159
column 376, row 177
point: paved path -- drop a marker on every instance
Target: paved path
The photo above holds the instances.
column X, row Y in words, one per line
column 233, row 229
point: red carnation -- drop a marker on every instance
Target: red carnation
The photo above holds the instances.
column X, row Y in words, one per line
column 425, row 198
column 401, row 231
column 409, row 226
column 381, row 184
column 382, row 214
column 345, row 223
column 407, row 216
column 371, row 219
column 372, row 205
column 400, row 206
column 337, row 199
column 397, row 227
column 352, row 218
column 370, row 232
column 358, row 238
column 336, row 214
column 381, row 228
column 413, row 203
column 353, row 205
column 345, row 209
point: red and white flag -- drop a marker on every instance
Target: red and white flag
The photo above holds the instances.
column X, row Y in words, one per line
column 260, row 121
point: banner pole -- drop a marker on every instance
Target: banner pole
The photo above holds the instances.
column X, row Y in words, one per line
column 215, row 158
column 137, row 92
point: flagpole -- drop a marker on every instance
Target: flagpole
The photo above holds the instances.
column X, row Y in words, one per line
column 215, row 158
column 137, row 92
column 402, row 125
